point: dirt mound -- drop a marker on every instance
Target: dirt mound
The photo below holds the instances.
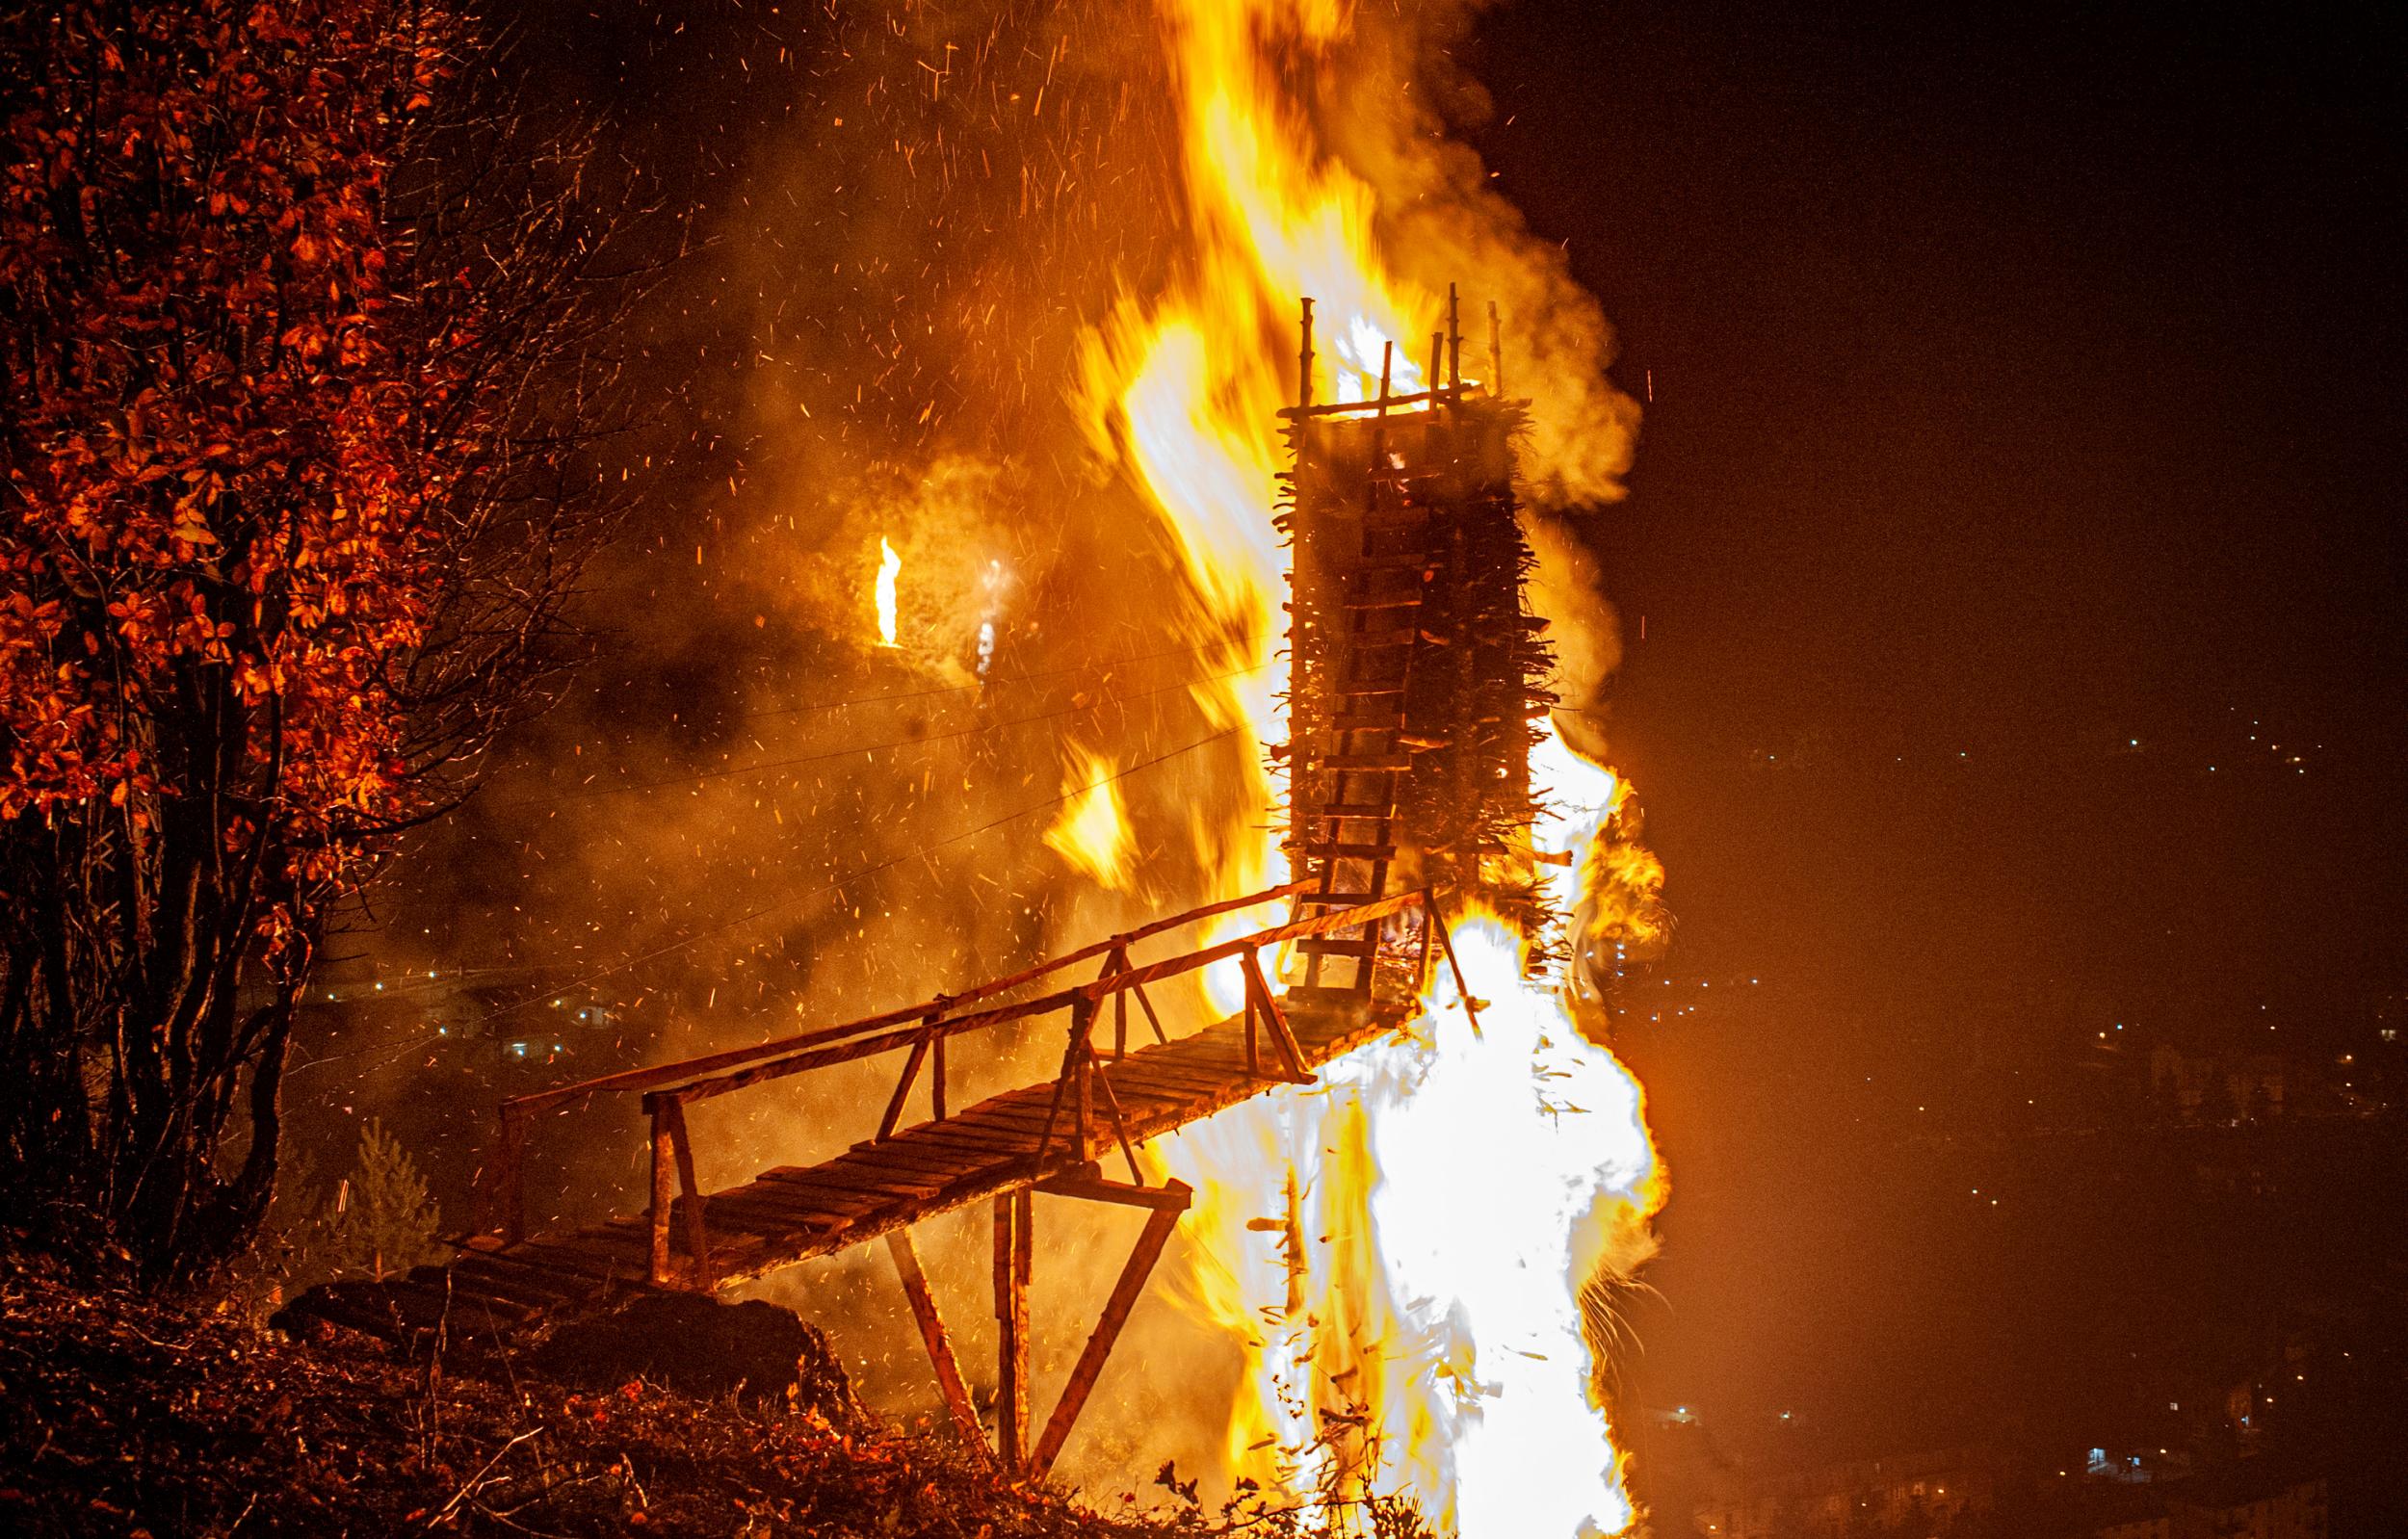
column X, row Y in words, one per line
column 699, row 1346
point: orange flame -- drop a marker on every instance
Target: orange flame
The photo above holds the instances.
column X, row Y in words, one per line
column 1402, row 1251
column 1092, row 832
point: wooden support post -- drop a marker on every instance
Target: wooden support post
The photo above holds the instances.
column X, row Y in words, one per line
column 1421, row 967
column 936, row 1079
column 1304, row 361
column 1455, row 341
column 1253, row 1054
column 1083, row 1066
column 697, row 1239
column 1117, row 961
column 1496, row 354
column 1291, row 1245
column 663, row 1190
column 1120, row 1025
column 940, row 1345
column 1013, row 1253
column 1099, row 1346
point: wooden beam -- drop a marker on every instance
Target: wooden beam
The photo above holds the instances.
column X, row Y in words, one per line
column 1340, row 408
column 1082, row 1063
column 1089, row 1186
column 697, row 1241
column 1099, row 1346
column 663, row 1193
column 903, row 1088
column 1013, row 1252
column 1430, row 918
column 1118, row 961
column 1095, row 1073
column 1151, row 1019
column 940, row 1345
column 1304, row 361
column 1258, row 990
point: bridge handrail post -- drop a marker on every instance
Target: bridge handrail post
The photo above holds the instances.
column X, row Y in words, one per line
column 936, row 1079
column 698, row 1238
column 1082, row 1059
column 1421, row 965
column 664, row 1193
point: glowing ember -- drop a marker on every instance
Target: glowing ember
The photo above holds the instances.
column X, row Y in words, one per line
column 1093, row 833
column 889, row 567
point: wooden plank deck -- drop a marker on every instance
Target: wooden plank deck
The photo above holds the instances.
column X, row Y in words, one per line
column 793, row 1213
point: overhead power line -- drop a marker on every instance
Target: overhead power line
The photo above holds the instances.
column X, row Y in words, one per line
column 734, row 772
column 1087, row 666
column 839, row 883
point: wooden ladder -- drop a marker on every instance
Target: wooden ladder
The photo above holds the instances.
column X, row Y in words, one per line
column 1356, row 839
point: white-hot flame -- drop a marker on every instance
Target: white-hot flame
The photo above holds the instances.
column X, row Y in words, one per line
column 1401, row 1250
column 1459, row 1188
column 889, row 567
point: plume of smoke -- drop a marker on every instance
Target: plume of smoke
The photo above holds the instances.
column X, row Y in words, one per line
column 1389, row 103
column 915, row 228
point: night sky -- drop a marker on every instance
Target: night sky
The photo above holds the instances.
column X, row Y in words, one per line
column 2025, row 383
column 2022, row 384
column 2015, row 502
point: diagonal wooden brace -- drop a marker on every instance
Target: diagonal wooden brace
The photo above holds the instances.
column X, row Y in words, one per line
column 940, row 1345
column 1259, row 997
column 1099, row 1346
column 903, row 1088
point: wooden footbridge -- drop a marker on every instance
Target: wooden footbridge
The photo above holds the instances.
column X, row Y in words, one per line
column 1414, row 674
column 1056, row 1137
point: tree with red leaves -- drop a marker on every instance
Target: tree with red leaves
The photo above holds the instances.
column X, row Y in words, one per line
column 303, row 361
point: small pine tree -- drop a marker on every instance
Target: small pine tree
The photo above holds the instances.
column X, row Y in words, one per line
column 285, row 1256
column 381, row 1222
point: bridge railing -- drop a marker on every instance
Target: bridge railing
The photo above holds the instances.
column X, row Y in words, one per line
column 920, row 1032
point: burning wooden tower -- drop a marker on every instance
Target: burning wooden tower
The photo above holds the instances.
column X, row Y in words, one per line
column 1416, row 674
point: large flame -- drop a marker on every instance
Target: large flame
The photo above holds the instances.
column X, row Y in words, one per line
column 1185, row 390
column 1403, row 1250
column 1093, row 833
